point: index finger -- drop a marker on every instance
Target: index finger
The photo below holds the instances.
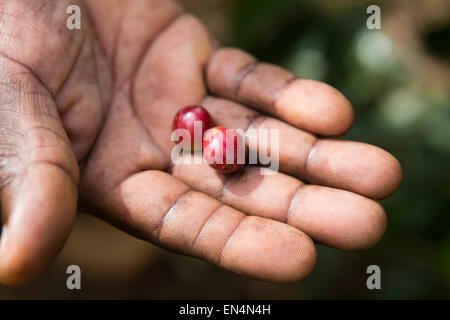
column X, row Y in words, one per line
column 306, row 104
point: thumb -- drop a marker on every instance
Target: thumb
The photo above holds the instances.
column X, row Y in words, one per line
column 38, row 176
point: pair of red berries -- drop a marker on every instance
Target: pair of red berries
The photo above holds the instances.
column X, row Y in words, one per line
column 223, row 149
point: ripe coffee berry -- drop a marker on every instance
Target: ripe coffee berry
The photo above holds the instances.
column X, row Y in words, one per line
column 190, row 117
column 224, row 149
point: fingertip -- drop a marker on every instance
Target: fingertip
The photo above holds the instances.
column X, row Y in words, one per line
column 337, row 218
column 269, row 250
column 367, row 227
column 384, row 176
column 390, row 175
column 15, row 268
column 316, row 107
column 374, row 226
column 304, row 261
column 38, row 223
column 354, row 166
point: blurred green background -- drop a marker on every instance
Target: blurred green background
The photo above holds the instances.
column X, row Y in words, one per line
column 398, row 80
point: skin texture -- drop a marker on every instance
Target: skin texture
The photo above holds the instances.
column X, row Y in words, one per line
column 85, row 122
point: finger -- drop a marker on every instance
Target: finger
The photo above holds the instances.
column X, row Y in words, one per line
column 125, row 51
column 306, row 104
column 39, row 174
column 332, row 217
column 157, row 207
column 353, row 166
column 175, row 63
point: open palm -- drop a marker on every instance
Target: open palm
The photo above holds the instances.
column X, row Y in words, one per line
column 85, row 122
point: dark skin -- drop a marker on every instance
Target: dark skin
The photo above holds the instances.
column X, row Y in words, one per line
column 85, row 124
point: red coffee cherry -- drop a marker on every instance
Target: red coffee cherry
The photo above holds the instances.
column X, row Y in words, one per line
column 186, row 117
column 219, row 141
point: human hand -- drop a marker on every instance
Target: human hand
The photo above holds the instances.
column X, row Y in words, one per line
column 88, row 112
